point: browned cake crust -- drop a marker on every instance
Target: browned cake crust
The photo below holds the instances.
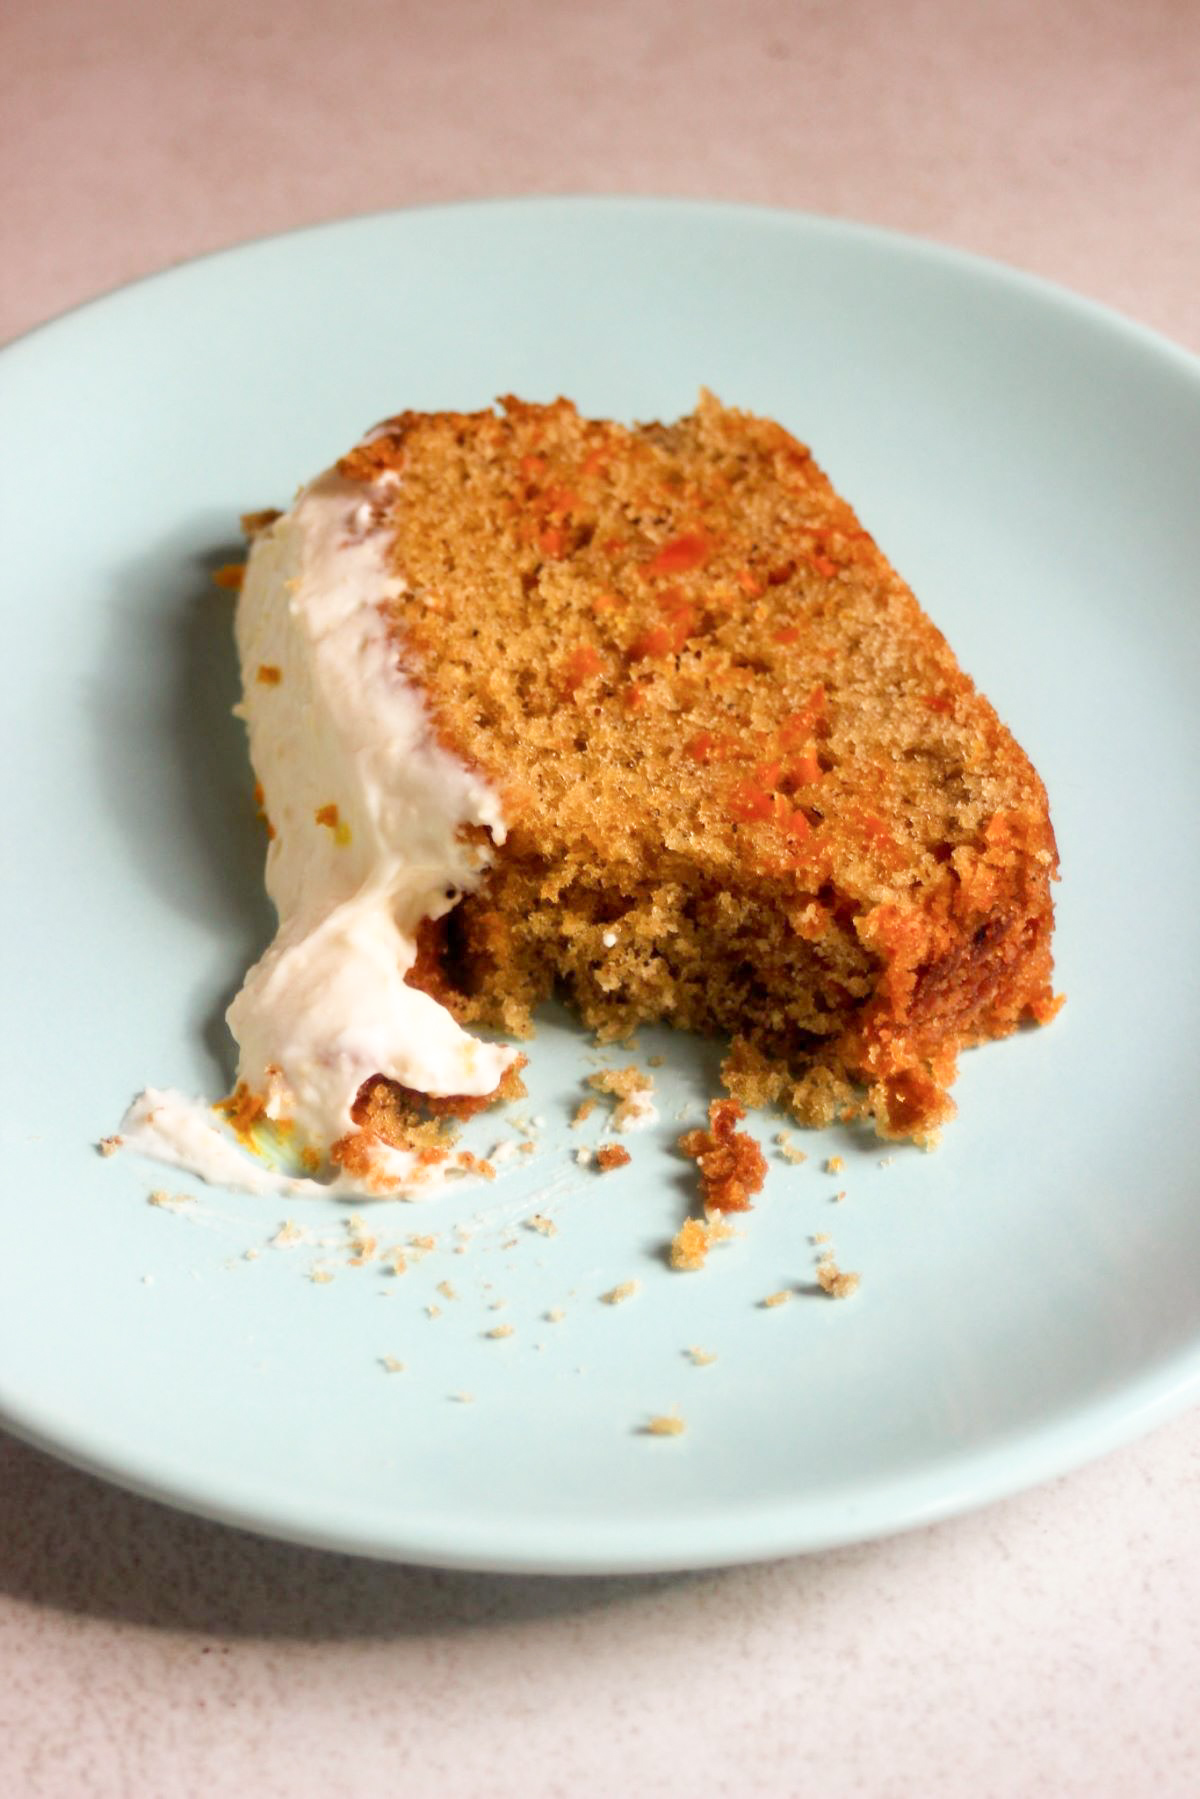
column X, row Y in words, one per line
column 749, row 789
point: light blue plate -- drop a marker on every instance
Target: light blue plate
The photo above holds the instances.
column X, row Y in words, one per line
column 1030, row 1293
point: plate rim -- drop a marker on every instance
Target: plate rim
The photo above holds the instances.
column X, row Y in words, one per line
column 831, row 224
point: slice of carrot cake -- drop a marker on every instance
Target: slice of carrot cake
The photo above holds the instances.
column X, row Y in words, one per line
column 641, row 715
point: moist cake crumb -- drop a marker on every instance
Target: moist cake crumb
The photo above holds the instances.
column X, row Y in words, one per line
column 546, row 1227
column 446, row 1290
column 731, row 1164
column 665, row 1424
column 788, row 1150
column 632, row 1089
column 777, row 1299
column 610, row 1156
column 617, row 1295
column 362, row 1244
column 833, row 1281
column 583, row 1111
column 108, row 1146
column 693, row 1240
column 501, row 1330
column 170, row 1202
column 834, row 1165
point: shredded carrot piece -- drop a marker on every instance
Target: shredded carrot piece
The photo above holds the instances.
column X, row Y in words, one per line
column 680, row 554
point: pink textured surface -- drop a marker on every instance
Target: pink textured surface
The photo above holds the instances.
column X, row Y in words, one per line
column 1051, row 1645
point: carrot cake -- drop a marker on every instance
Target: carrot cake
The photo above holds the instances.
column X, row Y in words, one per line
column 642, row 716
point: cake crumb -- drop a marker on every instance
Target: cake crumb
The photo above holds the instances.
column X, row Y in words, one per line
column 731, row 1164
column 617, row 1295
column 108, row 1146
column 527, row 1149
column 446, row 1290
column 583, row 1112
column 777, row 1299
column 501, row 1330
column 320, row 1277
column 839, row 1196
column 555, row 1315
column 610, row 1156
column 665, row 1424
column 396, row 1259
column 656, row 1061
column 821, row 1237
column 391, row 1364
column 693, row 1240
column 788, row 1150
column 433, row 1310
column 833, row 1281
column 834, row 1165
column 287, row 1236
column 689, row 1246
column 170, row 1202
column 362, row 1244
column 631, row 1089
column 545, row 1227
column 584, row 1156
column 463, row 1398
column 701, row 1358
column 886, row 1161
column 251, row 1255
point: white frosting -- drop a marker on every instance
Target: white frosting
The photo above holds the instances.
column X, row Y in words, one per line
column 170, row 1127
column 342, row 726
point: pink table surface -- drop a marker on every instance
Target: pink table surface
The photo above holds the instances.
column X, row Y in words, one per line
column 1050, row 1645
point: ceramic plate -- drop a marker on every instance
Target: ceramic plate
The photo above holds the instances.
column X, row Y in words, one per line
column 1029, row 1291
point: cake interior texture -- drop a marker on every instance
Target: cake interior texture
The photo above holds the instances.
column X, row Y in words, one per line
column 748, row 789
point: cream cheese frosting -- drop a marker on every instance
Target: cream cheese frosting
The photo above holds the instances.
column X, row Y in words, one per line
column 370, row 834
